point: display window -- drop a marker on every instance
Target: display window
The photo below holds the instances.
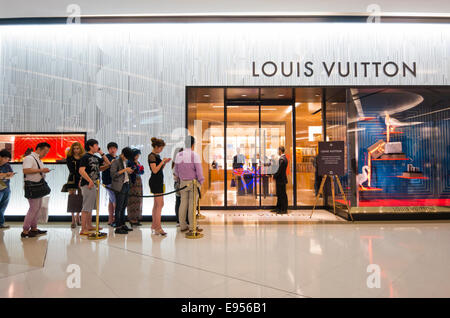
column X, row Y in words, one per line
column 22, row 144
column 401, row 146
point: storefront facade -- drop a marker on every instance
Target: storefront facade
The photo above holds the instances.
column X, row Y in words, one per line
column 244, row 88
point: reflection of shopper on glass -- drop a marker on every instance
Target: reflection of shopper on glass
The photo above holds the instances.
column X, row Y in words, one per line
column 238, row 169
column 6, row 173
column 316, row 174
column 157, row 183
column 75, row 201
column 34, row 171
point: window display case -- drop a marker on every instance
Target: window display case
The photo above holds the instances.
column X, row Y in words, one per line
column 22, row 144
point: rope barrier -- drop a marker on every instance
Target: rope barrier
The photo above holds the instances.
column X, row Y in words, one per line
column 145, row 196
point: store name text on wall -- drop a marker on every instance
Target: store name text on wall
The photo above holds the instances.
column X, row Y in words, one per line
column 340, row 69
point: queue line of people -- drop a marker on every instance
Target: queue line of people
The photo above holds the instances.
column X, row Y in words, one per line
column 122, row 177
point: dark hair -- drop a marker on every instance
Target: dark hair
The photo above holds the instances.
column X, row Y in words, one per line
column 112, row 144
column 189, row 141
column 281, row 148
column 5, row 153
column 42, row 145
column 90, row 143
column 157, row 142
column 175, row 153
column 128, row 153
column 135, row 152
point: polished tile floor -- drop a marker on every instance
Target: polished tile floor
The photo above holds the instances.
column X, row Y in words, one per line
column 234, row 259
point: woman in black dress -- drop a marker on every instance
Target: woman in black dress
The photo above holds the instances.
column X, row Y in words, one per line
column 157, row 183
column 75, row 201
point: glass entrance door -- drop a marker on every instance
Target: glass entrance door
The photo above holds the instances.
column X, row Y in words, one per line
column 255, row 129
column 243, row 147
column 276, row 131
column 238, row 132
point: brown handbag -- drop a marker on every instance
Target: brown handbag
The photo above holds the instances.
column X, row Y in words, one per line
column 75, row 202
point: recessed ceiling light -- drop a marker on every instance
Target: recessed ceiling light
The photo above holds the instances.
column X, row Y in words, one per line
column 280, row 95
column 317, row 95
column 243, row 95
column 206, row 95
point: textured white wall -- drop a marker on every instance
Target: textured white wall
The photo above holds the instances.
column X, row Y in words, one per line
column 127, row 82
column 52, row 8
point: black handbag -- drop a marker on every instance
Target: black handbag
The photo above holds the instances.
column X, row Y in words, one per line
column 36, row 190
column 65, row 187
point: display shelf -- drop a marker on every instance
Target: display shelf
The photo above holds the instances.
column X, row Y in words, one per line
column 393, row 132
column 369, row 189
column 412, row 178
column 390, row 159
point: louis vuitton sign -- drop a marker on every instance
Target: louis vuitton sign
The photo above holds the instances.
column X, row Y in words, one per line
column 334, row 69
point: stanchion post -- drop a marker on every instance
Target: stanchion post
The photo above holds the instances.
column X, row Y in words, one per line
column 345, row 198
column 195, row 234
column 324, row 178
column 333, row 194
column 97, row 235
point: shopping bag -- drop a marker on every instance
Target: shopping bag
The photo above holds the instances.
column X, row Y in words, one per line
column 43, row 212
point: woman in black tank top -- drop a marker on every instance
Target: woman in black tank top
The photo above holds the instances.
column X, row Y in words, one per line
column 156, row 183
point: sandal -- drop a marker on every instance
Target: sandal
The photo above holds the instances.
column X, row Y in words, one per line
column 73, row 225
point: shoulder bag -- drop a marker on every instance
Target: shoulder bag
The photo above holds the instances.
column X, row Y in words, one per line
column 36, row 190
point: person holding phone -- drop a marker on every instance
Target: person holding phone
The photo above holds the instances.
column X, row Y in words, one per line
column 90, row 167
column 156, row 183
column 6, row 173
column 34, row 171
column 120, row 175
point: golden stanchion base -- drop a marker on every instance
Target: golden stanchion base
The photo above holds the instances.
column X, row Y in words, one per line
column 97, row 236
column 195, row 235
column 201, row 216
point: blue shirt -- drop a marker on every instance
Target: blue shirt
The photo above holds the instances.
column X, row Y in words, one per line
column 5, row 169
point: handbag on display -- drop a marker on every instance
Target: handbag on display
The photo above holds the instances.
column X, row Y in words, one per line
column 36, row 190
column 393, row 147
column 233, row 183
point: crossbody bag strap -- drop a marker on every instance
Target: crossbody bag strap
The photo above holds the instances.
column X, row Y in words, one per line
column 42, row 177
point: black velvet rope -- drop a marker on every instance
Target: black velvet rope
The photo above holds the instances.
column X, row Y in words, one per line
column 147, row 196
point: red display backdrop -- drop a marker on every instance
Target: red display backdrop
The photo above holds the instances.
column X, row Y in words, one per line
column 59, row 144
